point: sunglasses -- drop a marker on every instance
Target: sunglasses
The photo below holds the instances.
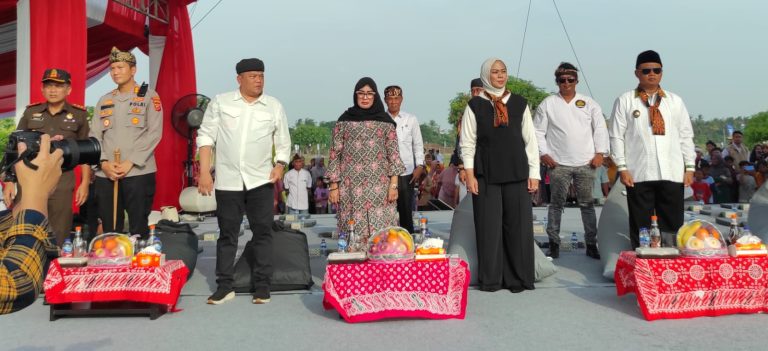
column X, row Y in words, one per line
column 365, row 94
column 563, row 80
column 647, row 71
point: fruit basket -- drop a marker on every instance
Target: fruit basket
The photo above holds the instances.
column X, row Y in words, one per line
column 391, row 244
column 110, row 249
column 701, row 239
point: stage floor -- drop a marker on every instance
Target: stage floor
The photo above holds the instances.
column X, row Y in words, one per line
column 575, row 309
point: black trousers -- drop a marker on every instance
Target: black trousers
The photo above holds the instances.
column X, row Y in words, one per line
column 134, row 196
column 504, row 232
column 405, row 201
column 256, row 204
column 663, row 197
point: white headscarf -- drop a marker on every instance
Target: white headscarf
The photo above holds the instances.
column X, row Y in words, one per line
column 485, row 76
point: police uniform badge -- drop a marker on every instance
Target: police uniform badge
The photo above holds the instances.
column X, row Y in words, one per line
column 156, row 103
column 135, row 120
column 106, row 122
column 636, row 113
column 70, row 115
column 580, row 103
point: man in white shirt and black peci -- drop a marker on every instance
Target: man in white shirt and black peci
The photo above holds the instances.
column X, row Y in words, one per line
column 652, row 145
column 572, row 137
column 411, row 148
column 244, row 126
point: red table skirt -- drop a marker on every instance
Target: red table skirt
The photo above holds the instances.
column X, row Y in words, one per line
column 693, row 287
column 363, row 292
column 158, row 285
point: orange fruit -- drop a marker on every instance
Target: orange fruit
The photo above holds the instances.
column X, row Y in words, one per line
column 98, row 244
column 376, row 239
column 110, row 244
column 702, row 233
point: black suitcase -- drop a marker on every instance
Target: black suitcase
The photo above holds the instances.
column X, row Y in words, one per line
column 290, row 262
column 179, row 243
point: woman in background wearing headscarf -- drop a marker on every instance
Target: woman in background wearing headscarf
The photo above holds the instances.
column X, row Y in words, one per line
column 500, row 154
column 364, row 163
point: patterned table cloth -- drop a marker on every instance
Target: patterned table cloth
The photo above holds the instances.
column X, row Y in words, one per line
column 159, row 285
column 363, row 292
column 693, row 287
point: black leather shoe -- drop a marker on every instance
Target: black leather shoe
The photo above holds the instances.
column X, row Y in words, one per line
column 592, row 252
column 554, row 250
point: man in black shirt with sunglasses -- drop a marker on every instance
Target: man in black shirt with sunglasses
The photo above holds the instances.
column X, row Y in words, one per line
column 652, row 145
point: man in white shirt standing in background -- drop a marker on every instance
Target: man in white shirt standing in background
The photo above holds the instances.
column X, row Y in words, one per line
column 411, row 149
column 244, row 126
column 652, row 146
column 573, row 140
column 297, row 181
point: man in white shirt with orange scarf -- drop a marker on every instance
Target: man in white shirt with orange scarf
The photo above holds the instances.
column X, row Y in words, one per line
column 652, row 145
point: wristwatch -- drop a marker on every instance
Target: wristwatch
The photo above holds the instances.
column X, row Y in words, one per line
column 283, row 163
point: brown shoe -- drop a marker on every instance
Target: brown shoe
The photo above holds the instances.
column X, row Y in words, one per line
column 260, row 300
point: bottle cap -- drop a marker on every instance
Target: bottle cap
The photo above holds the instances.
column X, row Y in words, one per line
column 151, row 227
column 78, row 228
column 423, row 219
column 733, row 215
column 351, row 221
column 654, row 218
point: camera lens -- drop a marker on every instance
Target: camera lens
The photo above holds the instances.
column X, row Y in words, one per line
column 78, row 152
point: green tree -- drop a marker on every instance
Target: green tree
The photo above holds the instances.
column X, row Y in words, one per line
column 756, row 130
column 432, row 134
column 521, row 87
column 309, row 134
column 7, row 126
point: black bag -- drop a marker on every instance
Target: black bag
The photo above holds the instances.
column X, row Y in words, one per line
column 290, row 261
column 179, row 243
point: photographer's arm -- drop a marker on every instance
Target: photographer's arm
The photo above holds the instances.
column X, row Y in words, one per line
column 23, row 235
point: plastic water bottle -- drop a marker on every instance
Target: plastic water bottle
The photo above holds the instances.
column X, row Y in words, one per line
column 423, row 231
column 67, row 249
column 574, row 241
column 78, row 245
column 342, row 245
column 645, row 237
column 745, row 232
column 323, row 248
column 157, row 244
column 352, row 239
column 733, row 231
column 655, row 232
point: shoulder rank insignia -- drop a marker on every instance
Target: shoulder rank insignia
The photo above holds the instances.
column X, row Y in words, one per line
column 35, row 104
column 156, row 103
column 79, row 107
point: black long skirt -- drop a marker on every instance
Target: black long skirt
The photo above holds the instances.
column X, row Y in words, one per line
column 504, row 231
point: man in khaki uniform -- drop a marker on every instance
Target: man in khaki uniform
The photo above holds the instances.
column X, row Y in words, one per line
column 61, row 120
column 128, row 119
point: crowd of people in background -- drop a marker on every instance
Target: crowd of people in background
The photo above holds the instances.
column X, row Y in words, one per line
column 440, row 181
column 731, row 173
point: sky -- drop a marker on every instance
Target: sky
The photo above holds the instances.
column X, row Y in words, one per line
column 714, row 52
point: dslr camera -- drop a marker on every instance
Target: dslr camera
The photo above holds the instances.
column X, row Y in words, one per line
column 76, row 152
